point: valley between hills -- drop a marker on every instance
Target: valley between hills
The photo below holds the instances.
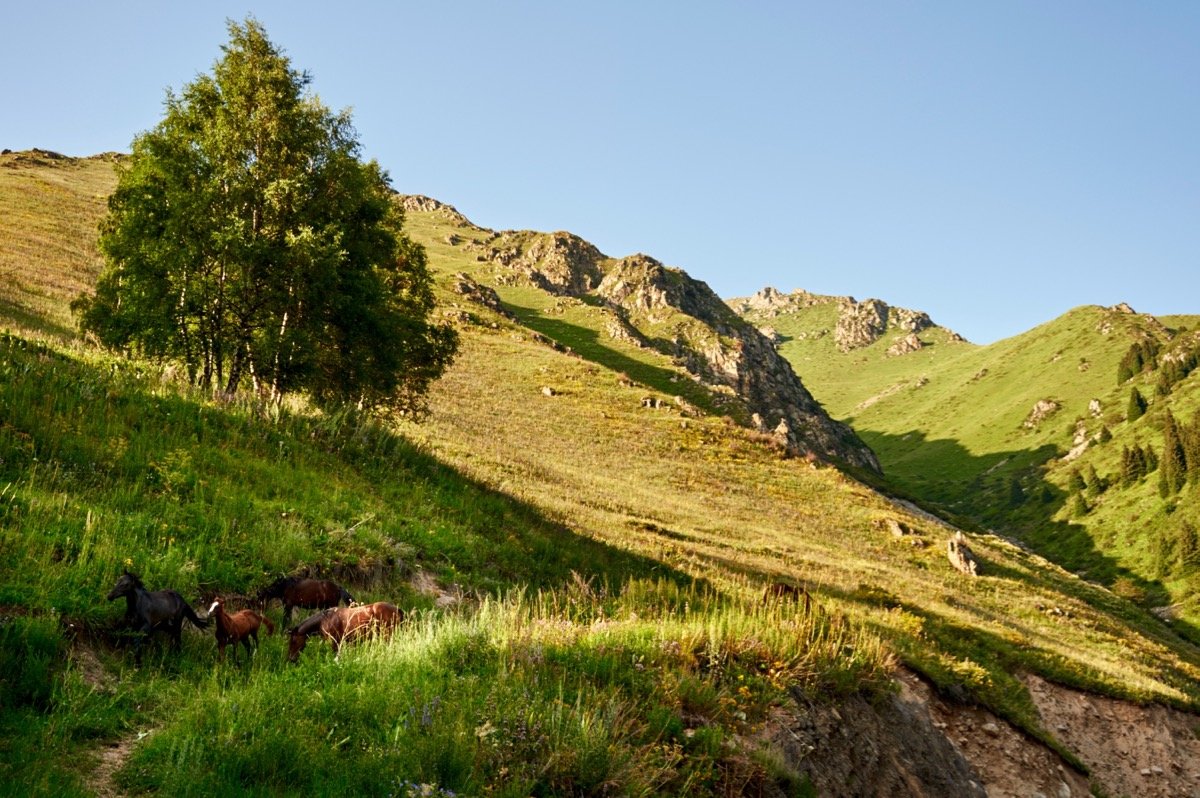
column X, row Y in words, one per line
column 582, row 527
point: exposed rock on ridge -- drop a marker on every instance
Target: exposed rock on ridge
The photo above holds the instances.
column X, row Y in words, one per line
column 859, row 324
column 686, row 320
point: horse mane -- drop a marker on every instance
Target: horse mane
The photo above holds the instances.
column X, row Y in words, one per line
column 309, row 625
column 277, row 587
column 137, row 580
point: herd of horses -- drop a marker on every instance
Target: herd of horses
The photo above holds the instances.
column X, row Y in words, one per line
column 148, row 611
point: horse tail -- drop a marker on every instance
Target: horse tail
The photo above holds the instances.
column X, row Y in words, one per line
column 267, row 623
column 199, row 623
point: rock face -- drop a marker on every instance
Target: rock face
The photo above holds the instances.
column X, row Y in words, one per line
column 876, row 750
column 724, row 349
column 859, row 324
column 909, row 343
column 862, row 323
column 683, row 318
column 1042, row 410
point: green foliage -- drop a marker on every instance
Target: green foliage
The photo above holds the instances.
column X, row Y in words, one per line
column 246, row 241
column 1137, row 405
column 1142, row 355
column 31, row 653
column 1173, row 465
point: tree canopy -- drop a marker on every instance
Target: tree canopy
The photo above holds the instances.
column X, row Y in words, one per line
column 248, row 241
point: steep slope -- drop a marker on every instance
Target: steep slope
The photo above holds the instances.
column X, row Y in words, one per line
column 641, row 304
column 540, row 458
column 995, row 434
column 49, row 206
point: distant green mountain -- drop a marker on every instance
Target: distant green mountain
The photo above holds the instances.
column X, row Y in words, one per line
column 992, row 434
column 605, row 555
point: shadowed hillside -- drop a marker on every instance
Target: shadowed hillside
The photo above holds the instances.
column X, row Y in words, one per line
column 583, row 528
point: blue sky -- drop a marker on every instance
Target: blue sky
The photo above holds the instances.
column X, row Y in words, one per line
column 994, row 164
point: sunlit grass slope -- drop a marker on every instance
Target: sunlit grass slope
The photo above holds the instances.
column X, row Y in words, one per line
column 49, row 207
column 706, row 497
column 612, row 557
column 952, row 424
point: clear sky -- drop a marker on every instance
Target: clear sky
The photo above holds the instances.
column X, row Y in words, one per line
column 991, row 163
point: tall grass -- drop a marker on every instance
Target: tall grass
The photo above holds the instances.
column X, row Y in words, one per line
column 544, row 694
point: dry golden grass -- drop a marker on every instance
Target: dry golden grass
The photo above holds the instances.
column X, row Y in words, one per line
column 49, row 209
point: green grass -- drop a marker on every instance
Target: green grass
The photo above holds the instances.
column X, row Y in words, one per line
column 612, row 557
column 948, row 424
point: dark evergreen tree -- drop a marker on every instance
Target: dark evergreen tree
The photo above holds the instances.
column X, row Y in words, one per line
column 1105, row 434
column 1172, row 464
column 1075, row 482
column 1137, row 405
column 1187, row 545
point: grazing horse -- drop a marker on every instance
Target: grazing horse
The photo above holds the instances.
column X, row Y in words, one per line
column 299, row 591
column 160, row 609
column 240, row 627
column 340, row 624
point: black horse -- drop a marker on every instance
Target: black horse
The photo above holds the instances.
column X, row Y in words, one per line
column 150, row 611
column 299, row 591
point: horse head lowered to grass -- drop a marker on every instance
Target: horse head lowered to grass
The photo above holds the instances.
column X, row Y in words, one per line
column 300, row 591
column 153, row 610
column 341, row 624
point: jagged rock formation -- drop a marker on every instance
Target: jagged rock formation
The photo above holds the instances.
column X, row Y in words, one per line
column 480, row 294
column 859, row 324
column 416, row 202
column 862, row 323
column 682, row 317
column 905, row 344
column 768, row 302
column 1042, row 409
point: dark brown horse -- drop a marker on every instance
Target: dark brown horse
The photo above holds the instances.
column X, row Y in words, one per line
column 240, row 627
column 154, row 610
column 343, row 623
column 299, row 591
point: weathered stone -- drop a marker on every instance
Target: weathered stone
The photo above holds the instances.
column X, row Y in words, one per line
column 859, row 323
column 961, row 556
column 905, row 344
column 1042, row 409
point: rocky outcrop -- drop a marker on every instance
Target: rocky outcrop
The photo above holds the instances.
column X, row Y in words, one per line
column 559, row 263
column 466, row 286
column 905, row 344
column 654, row 305
column 420, row 204
column 1042, row 410
column 862, row 323
column 859, row 324
column 724, row 349
column 769, row 302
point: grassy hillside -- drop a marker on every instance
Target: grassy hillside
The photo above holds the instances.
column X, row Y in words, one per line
column 954, row 426
column 584, row 572
column 49, row 206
